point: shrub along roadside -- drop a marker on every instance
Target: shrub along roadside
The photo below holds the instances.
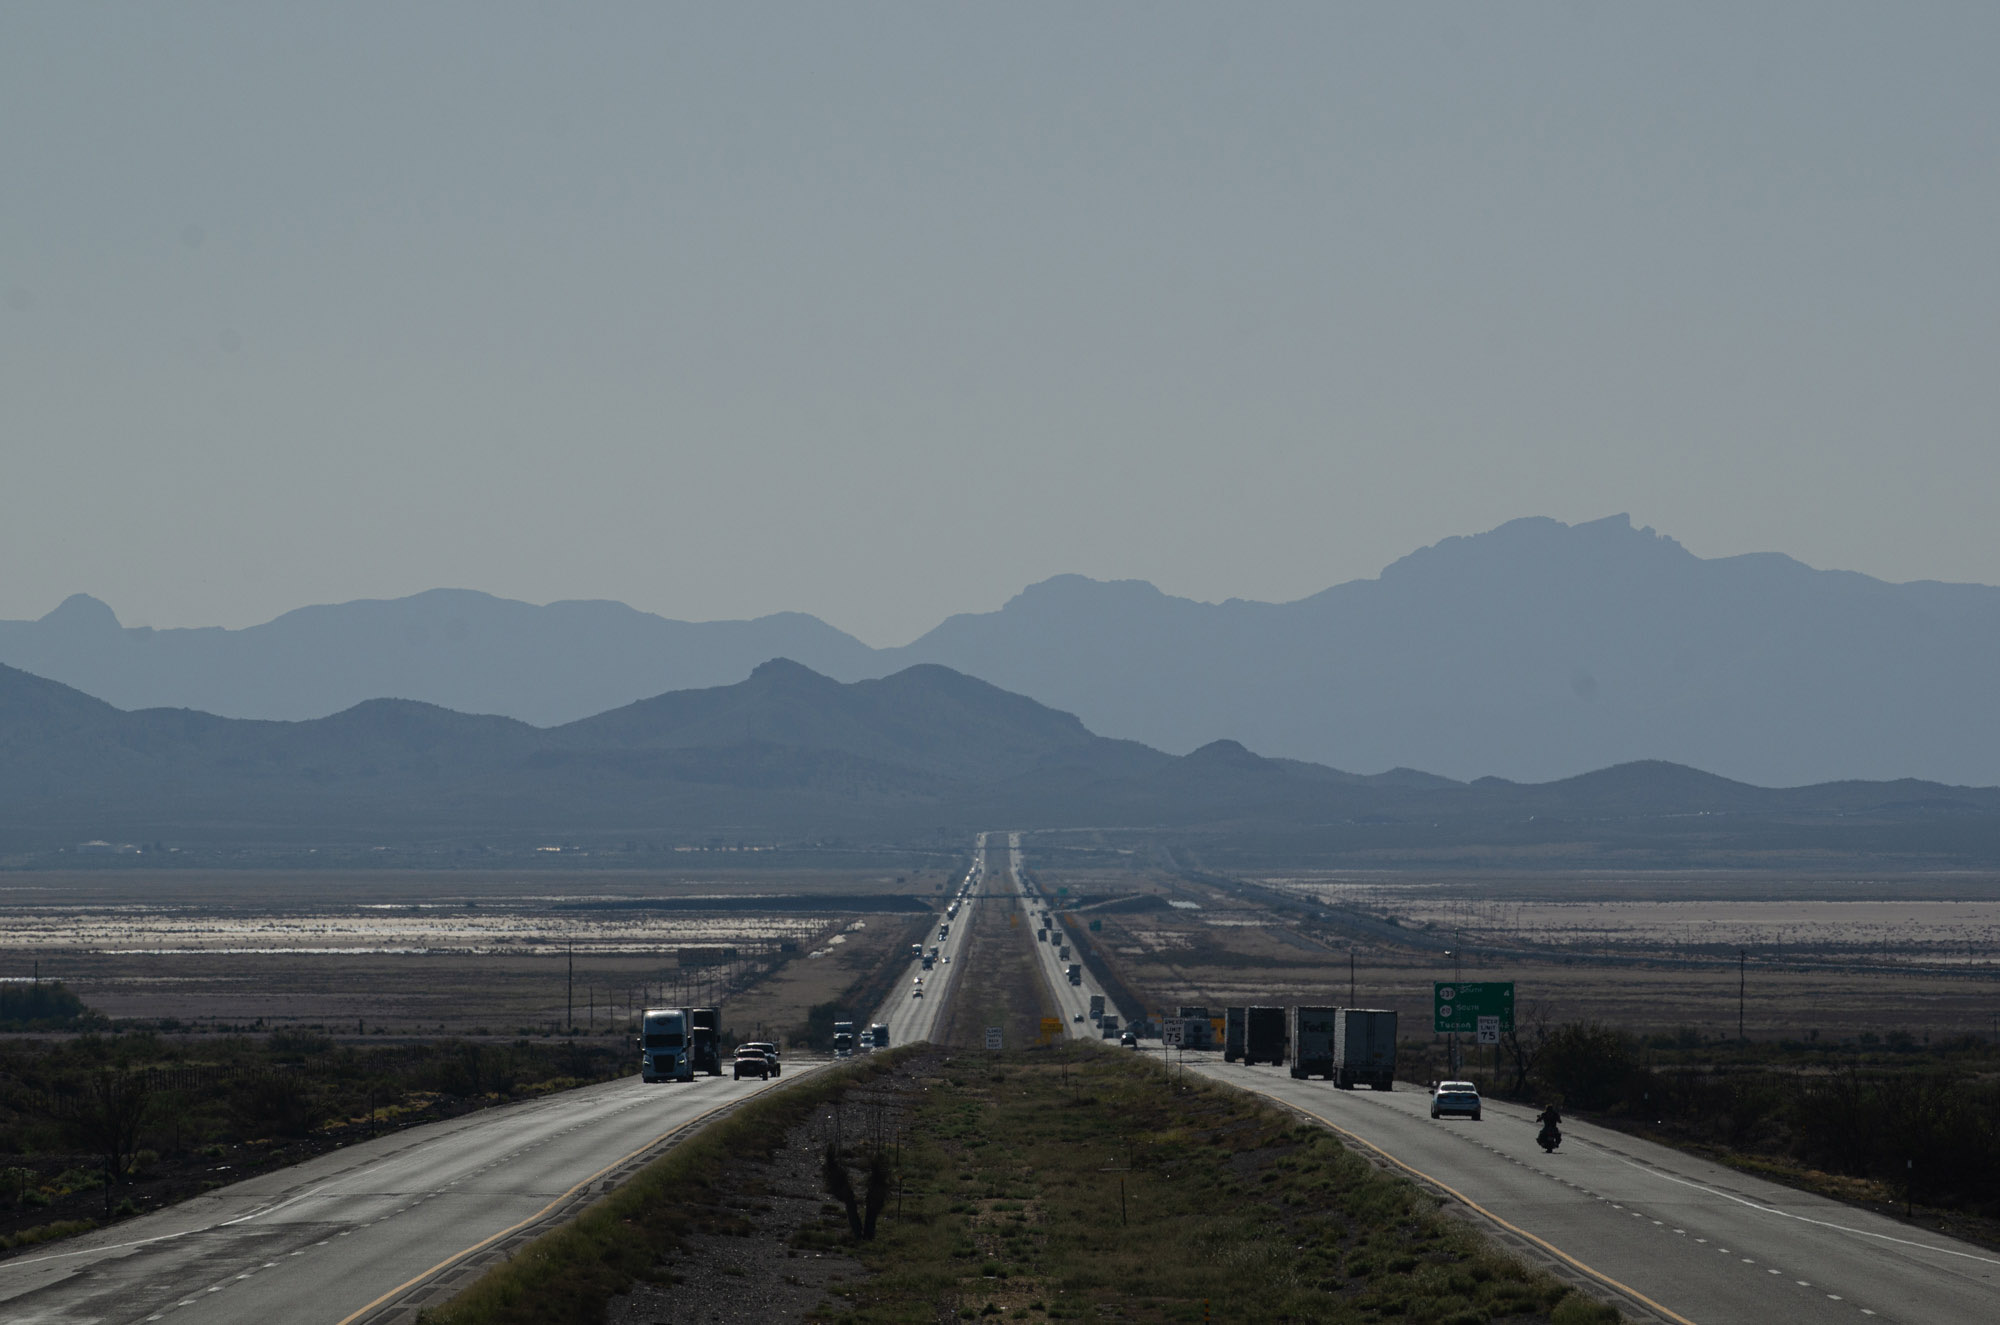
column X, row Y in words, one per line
column 568, row 1274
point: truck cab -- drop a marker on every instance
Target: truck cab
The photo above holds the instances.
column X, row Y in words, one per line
column 665, row 1050
column 843, row 1039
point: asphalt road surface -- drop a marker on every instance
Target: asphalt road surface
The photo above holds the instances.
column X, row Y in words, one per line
column 1675, row 1237
column 908, row 1017
column 1072, row 1000
column 346, row 1237
column 326, row 1240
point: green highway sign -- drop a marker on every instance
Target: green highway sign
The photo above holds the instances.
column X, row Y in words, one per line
column 1460, row 1007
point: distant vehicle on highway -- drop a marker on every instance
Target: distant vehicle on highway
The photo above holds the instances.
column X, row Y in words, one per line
column 664, row 1051
column 750, row 1062
column 865, row 1043
column 880, row 1031
column 1455, row 1097
column 764, row 1047
column 843, row 1039
column 1129, row 1040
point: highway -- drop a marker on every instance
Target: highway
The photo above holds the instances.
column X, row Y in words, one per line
column 909, row 1018
column 1675, row 1237
column 364, row 1232
column 1073, row 1000
column 327, row 1240
column 1670, row 1236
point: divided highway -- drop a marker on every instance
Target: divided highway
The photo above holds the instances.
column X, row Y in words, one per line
column 1675, row 1238
column 1072, row 1000
column 355, row 1234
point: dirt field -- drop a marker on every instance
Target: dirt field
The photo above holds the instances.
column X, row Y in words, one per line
column 1827, row 958
column 421, row 953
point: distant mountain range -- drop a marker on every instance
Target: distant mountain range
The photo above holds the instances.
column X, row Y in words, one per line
column 927, row 753
column 1534, row 651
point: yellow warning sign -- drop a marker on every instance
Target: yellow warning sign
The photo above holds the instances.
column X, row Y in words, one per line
column 1051, row 1027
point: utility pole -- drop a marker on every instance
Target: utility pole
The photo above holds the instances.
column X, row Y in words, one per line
column 1742, row 977
column 1451, row 1050
column 569, row 989
column 1350, row 977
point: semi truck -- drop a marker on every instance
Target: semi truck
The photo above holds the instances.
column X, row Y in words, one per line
column 843, row 1039
column 1075, row 973
column 1197, row 1031
column 663, row 1045
column 1264, row 1036
column 1096, row 1007
column 705, row 1040
column 1347, row 1046
column 881, row 1033
column 1364, row 1048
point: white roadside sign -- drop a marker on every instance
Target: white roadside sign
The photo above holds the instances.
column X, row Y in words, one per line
column 1489, row 1030
column 992, row 1037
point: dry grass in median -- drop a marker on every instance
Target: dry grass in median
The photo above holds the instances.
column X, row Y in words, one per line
column 567, row 1276
column 1039, row 1188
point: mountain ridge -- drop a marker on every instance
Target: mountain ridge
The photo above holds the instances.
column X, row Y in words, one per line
column 1531, row 651
column 789, row 754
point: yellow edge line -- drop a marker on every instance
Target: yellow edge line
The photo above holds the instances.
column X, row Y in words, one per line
column 542, row 1213
column 1545, row 1245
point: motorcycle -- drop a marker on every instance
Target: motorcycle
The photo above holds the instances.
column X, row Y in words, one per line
column 1550, row 1136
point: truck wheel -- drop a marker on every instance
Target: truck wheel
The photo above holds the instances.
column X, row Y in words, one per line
column 1298, row 1075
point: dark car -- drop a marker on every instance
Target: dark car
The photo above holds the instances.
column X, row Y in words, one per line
column 750, row 1062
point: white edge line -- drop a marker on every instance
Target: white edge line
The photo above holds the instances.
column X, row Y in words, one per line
column 1803, row 1219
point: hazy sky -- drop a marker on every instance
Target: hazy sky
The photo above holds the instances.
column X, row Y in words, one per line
column 885, row 312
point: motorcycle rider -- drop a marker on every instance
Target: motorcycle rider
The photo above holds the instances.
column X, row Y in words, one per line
column 1551, row 1120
